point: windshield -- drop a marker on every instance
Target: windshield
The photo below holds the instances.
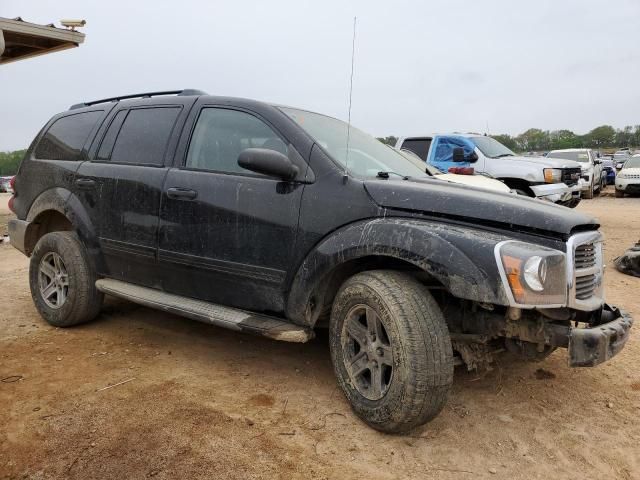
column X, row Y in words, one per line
column 491, row 148
column 576, row 156
column 632, row 163
column 367, row 156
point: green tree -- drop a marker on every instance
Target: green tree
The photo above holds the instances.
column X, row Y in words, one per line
column 602, row 136
column 533, row 139
column 507, row 140
column 563, row 139
column 10, row 161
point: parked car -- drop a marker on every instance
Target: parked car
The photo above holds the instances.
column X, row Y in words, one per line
column 544, row 178
column 278, row 221
column 609, row 169
column 593, row 179
column 5, row 185
column 628, row 178
column 619, row 159
column 480, row 181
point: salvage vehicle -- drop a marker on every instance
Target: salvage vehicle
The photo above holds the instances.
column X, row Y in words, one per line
column 279, row 221
column 628, row 178
column 540, row 177
column 592, row 179
column 464, row 175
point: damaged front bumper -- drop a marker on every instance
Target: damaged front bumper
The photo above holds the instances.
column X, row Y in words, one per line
column 591, row 346
column 557, row 193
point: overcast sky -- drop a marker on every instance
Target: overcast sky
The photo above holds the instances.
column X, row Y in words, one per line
column 420, row 66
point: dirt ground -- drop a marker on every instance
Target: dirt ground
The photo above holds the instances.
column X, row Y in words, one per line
column 194, row 401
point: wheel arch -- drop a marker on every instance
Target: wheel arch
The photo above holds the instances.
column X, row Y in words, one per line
column 435, row 252
column 58, row 209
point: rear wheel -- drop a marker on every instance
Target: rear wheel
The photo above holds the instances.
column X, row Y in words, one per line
column 391, row 350
column 62, row 280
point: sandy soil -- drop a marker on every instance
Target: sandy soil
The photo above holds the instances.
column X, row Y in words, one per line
column 202, row 402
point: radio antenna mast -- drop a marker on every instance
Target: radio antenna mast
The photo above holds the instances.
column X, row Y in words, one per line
column 353, row 53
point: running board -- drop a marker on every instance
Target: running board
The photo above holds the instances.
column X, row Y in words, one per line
column 211, row 313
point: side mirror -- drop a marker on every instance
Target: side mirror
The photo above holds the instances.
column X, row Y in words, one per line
column 268, row 162
column 458, row 154
column 598, row 161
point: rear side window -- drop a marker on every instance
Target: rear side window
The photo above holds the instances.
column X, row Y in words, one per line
column 141, row 137
column 419, row 146
column 66, row 136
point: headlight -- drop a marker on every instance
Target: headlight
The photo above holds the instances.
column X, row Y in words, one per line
column 532, row 275
column 552, row 175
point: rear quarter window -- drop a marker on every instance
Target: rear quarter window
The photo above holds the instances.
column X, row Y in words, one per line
column 419, row 146
column 66, row 137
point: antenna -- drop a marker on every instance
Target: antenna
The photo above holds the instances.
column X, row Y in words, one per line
column 353, row 54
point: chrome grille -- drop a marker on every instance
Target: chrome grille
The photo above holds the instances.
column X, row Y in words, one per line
column 570, row 176
column 585, row 271
column 585, row 286
column 585, row 255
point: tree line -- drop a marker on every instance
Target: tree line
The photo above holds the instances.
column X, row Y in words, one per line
column 10, row 161
column 535, row 139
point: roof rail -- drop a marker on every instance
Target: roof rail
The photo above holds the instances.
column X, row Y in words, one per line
column 185, row 92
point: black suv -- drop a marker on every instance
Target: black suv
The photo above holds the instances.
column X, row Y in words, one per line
column 279, row 221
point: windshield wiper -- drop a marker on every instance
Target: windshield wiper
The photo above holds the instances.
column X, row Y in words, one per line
column 385, row 174
column 504, row 155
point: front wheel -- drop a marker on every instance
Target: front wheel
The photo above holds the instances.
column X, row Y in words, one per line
column 62, row 280
column 589, row 193
column 391, row 350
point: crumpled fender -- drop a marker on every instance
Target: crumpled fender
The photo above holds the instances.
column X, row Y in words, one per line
column 461, row 258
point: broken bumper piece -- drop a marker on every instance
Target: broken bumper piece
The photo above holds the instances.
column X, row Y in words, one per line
column 591, row 346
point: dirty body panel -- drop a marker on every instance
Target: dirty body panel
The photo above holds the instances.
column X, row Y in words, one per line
column 281, row 247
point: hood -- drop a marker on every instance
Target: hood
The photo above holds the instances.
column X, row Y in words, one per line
column 545, row 161
column 479, row 181
column 630, row 171
column 436, row 198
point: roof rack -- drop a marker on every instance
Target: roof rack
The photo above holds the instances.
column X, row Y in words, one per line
column 185, row 92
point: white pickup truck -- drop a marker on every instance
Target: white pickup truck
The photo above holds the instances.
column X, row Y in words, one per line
column 556, row 180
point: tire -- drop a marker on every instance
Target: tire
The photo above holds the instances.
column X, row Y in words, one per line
column 413, row 337
column 65, row 303
column 589, row 193
column 619, row 193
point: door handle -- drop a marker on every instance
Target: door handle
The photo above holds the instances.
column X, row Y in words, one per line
column 85, row 183
column 181, row 193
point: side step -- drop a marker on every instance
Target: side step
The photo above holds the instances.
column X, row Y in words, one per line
column 211, row 313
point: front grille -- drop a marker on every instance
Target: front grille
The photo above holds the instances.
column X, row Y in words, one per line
column 585, row 286
column 628, row 175
column 585, row 255
column 570, row 176
column 585, row 249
